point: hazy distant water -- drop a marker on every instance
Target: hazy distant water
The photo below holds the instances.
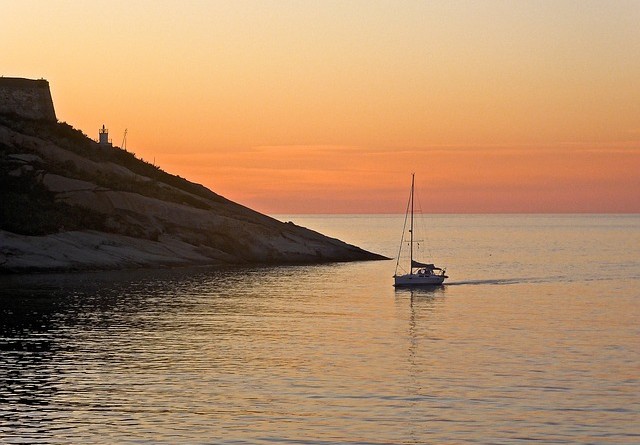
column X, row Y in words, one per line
column 535, row 338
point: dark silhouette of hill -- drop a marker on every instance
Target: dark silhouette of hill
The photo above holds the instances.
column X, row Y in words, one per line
column 102, row 207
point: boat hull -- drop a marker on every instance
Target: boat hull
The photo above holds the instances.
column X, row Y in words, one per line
column 418, row 280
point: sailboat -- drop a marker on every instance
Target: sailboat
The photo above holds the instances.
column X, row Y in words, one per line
column 420, row 274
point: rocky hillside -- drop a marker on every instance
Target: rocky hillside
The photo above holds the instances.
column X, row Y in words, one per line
column 68, row 203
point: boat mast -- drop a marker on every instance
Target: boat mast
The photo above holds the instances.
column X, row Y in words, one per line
column 411, row 228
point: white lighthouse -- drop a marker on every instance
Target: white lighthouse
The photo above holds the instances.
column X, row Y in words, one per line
column 103, row 134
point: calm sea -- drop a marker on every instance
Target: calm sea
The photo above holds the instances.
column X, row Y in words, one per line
column 535, row 338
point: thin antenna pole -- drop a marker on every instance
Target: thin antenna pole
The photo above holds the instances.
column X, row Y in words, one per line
column 124, row 140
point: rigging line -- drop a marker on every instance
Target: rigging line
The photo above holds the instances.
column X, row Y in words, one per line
column 404, row 228
column 422, row 223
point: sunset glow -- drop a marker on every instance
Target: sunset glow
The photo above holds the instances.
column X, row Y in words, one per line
column 328, row 107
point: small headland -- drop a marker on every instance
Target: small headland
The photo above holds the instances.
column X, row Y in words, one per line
column 71, row 203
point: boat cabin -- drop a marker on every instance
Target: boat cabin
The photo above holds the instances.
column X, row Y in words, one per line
column 424, row 272
column 427, row 270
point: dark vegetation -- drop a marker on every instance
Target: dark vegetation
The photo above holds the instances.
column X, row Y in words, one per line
column 28, row 208
column 69, row 138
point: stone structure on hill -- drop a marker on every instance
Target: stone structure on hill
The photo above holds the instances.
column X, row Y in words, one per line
column 27, row 98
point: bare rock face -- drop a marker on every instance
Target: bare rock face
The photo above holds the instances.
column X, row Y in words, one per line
column 70, row 204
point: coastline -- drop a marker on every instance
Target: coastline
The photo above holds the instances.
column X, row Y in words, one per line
column 96, row 251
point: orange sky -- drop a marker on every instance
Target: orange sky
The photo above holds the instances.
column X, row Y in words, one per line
column 327, row 107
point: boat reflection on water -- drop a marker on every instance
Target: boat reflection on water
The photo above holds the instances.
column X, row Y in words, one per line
column 282, row 354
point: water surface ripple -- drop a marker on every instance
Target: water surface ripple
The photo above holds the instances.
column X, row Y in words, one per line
column 536, row 339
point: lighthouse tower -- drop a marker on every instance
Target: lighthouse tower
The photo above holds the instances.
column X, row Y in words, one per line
column 104, row 137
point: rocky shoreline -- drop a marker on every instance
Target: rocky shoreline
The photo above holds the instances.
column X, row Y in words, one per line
column 71, row 204
column 94, row 251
